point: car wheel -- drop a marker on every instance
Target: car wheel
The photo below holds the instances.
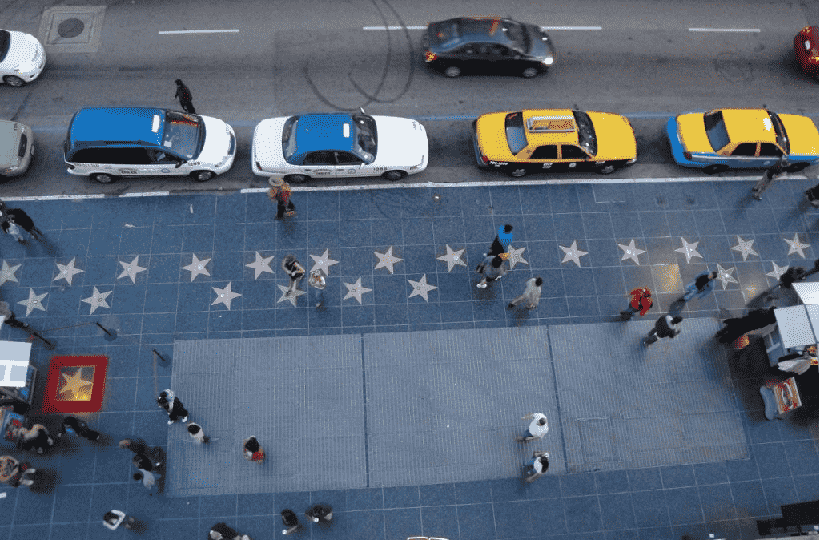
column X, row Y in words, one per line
column 529, row 73
column 394, row 175
column 452, row 72
column 798, row 167
column 202, row 176
column 102, row 178
column 517, row 173
column 12, row 80
column 607, row 168
column 714, row 169
column 297, row 178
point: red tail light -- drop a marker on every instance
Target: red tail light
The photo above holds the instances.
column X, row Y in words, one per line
column 687, row 155
column 484, row 159
column 429, row 56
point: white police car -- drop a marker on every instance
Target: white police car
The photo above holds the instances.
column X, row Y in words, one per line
column 107, row 142
column 22, row 57
column 328, row 145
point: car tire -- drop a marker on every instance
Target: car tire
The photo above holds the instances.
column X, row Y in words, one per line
column 202, row 176
column 714, row 169
column 296, row 178
column 103, row 178
column 452, row 72
column 797, row 167
column 517, row 172
column 13, row 80
column 530, row 73
column 608, row 168
column 394, row 176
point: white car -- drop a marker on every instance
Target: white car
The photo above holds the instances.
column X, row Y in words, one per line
column 16, row 148
column 22, row 58
column 297, row 148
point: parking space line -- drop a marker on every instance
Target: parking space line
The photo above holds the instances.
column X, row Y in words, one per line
column 571, row 27
column 395, row 27
column 171, row 32
column 724, row 30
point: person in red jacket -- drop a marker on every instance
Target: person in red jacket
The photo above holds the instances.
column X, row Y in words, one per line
column 640, row 301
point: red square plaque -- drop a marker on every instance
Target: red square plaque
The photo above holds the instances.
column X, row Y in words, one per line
column 75, row 384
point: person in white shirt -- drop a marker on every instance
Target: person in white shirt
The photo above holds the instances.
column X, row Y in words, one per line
column 537, row 429
column 537, row 467
column 531, row 294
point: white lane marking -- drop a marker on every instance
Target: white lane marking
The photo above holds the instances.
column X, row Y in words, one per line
column 168, row 32
column 395, row 28
column 571, row 27
column 724, row 30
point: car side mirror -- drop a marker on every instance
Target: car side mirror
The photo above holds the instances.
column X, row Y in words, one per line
column 179, row 163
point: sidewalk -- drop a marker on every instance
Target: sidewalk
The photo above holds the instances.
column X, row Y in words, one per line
column 160, row 303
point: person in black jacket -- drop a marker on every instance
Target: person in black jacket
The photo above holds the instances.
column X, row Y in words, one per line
column 290, row 521
column 666, row 326
column 320, row 513
column 72, row 424
column 739, row 326
column 20, row 218
column 183, row 93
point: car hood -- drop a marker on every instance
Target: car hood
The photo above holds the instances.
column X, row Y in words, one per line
column 217, row 141
column 540, row 48
column 615, row 136
column 691, row 130
column 267, row 143
column 491, row 129
column 23, row 51
column 9, row 144
column 401, row 141
column 802, row 134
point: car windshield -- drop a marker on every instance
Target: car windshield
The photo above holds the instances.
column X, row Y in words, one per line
column 585, row 132
column 515, row 133
column 366, row 137
column 183, row 134
column 781, row 134
column 715, row 129
column 5, row 42
column 289, row 138
column 517, row 35
column 444, row 34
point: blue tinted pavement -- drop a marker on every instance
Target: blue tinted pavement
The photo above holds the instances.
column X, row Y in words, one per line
column 613, row 228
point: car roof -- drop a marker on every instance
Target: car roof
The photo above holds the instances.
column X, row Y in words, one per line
column 550, row 126
column 116, row 124
column 324, row 132
column 749, row 125
column 473, row 30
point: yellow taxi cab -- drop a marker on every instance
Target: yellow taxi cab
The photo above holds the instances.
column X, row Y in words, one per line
column 527, row 141
column 742, row 138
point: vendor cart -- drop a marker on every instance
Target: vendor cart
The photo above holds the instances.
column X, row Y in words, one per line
column 17, row 375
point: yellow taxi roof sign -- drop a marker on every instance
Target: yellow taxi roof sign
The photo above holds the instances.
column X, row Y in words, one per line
column 563, row 123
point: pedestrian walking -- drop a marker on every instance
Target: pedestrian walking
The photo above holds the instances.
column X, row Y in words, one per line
column 666, row 326
column 502, row 240
column 290, row 521
column 536, row 467
column 492, row 268
column 531, row 294
column 147, row 477
column 195, row 431
column 78, row 427
column 280, row 192
column 35, row 438
column 183, row 94
column 144, row 463
column 176, row 411
column 812, row 195
column 114, row 518
column 252, row 450
column 317, row 281
column 702, row 285
column 222, row 531
column 537, row 429
column 137, row 446
column 770, row 174
column 320, row 513
column 293, row 269
column 20, row 218
column 640, row 300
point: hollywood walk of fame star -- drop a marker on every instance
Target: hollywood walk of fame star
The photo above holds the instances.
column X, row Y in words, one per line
column 631, row 251
column 689, row 250
column 74, row 384
column 777, row 271
column 67, row 271
column 452, row 258
column 355, row 290
column 421, row 288
column 515, row 256
column 7, row 273
column 97, row 300
column 725, row 276
column 795, row 246
column 260, row 265
column 572, row 253
column 33, row 302
column 322, row 262
column 197, row 267
column 289, row 294
column 746, row 247
column 224, row 296
column 386, row 260
column 131, row 269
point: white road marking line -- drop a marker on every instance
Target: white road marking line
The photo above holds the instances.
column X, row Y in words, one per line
column 169, row 32
column 571, row 27
column 395, row 28
column 724, row 30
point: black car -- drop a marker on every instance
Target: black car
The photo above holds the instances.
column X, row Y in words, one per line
column 484, row 45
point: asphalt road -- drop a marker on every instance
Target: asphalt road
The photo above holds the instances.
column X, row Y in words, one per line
column 648, row 60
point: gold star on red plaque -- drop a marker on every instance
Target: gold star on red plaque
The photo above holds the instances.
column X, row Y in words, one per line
column 73, row 385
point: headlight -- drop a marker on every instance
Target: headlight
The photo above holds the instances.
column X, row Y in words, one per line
column 548, row 61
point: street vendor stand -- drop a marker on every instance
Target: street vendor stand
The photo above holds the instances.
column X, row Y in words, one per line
column 17, row 375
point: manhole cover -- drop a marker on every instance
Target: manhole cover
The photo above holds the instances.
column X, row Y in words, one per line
column 70, row 28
